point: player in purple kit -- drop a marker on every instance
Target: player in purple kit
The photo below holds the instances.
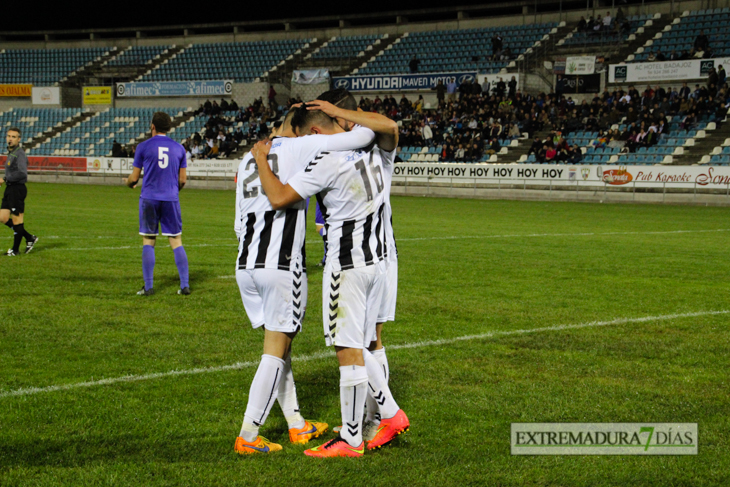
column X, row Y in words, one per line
column 164, row 164
column 319, row 224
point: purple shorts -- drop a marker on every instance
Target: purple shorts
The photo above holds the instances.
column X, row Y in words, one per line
column 318, row 218
column 154, row 214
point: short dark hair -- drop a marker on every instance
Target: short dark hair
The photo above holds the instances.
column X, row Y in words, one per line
column 303, row 119
column 14, row 129
column 339, row 97
column 162, row 122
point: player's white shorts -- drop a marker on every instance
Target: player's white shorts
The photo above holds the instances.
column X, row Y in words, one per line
column 275, row 298
column 350, row 304
column 390, row 291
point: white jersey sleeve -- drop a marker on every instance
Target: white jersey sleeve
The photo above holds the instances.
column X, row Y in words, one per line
column 296, row 153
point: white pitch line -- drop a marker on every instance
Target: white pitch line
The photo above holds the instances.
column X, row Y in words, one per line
column 414, row 239
column 328, row 353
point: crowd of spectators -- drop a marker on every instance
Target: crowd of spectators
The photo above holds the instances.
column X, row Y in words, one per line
column 605, row 25
column 222, row 134
column 473, row 120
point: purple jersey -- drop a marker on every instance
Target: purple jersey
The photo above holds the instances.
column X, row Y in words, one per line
column 161, row 159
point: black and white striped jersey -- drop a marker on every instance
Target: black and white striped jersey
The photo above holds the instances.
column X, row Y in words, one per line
column 350, row 190
column 273, row 239
column 391, row 251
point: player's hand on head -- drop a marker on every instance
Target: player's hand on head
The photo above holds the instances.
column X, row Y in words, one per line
column 325, row 106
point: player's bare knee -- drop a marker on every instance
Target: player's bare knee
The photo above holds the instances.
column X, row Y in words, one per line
column 349, row 356
column 149, row 240
column 175, row 242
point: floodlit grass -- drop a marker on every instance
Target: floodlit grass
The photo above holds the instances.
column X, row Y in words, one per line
column 70, row 315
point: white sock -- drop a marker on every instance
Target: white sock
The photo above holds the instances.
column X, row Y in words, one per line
column 353, row 389
column 383, row 361
column 288, row 398
column 262, row 395
column 378, row 386
column 373, row 411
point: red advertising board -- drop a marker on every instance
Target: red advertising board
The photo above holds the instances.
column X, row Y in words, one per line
column 44, row 163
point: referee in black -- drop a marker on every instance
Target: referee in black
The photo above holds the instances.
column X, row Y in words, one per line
column 13, row 205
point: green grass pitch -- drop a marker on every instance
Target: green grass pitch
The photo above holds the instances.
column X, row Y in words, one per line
column 467, row 267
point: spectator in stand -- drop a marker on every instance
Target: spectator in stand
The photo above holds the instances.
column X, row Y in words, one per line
column 712, row 79
column 582, row 24
column 512, row 87
column 464, row 88
column 460, row 153
column 427, row 134
column 451, row 88
column 272, row 97
column 607, row 21
column 501, row 88
column 535, row 147
column 440, row 92
column 702, row 43
column 224, row 105
column 413, row 64
column 721, row 76
column 496, row 45
column 486, row 87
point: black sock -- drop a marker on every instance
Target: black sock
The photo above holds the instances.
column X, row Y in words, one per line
column 9, row 224
column 27, row 235
column 19, row 230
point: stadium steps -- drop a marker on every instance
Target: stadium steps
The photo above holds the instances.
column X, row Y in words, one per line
column 282, row 73
column 704, row 146
column 533, row 60
column 516, row 152
column 377, row 51
column 80, row 78
column 347, row 66
column 63, row 127
column 156, row 63
column 650, row 32
column 106, row 74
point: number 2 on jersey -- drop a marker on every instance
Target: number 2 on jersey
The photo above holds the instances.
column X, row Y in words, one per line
column 254, row 192
column 163, row 160
column 377, row 176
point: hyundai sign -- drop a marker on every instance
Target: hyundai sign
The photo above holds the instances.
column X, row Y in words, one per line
column 400, row 82
column 175, row 88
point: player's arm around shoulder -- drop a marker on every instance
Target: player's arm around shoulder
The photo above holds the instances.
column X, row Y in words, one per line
column 280, row 195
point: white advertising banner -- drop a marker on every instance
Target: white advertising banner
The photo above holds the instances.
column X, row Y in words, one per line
column 196, row 167
column 580, row 65
column 715, row 177
column 46, row 95
column 664, row 70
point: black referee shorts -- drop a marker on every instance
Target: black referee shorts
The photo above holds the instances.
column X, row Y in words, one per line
column 14, row 198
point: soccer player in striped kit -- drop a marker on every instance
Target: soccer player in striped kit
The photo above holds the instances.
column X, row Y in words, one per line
column 349, row 187
column 271, row 275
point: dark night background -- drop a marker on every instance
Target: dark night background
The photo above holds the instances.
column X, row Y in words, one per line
column 85, row 14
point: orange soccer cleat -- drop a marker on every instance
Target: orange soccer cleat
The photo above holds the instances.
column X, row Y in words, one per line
column 389, row 428
column 311, row 430
column 260, row 445
column 336, row 448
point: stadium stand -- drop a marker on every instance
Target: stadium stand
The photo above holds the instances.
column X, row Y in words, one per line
column 44, row 67
column 34, row 121
column 345, row 47
column 680, row 41
column 96, row 135
column 137, row 55
column 454, row 50
column 241, row 61
column 616, row 32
